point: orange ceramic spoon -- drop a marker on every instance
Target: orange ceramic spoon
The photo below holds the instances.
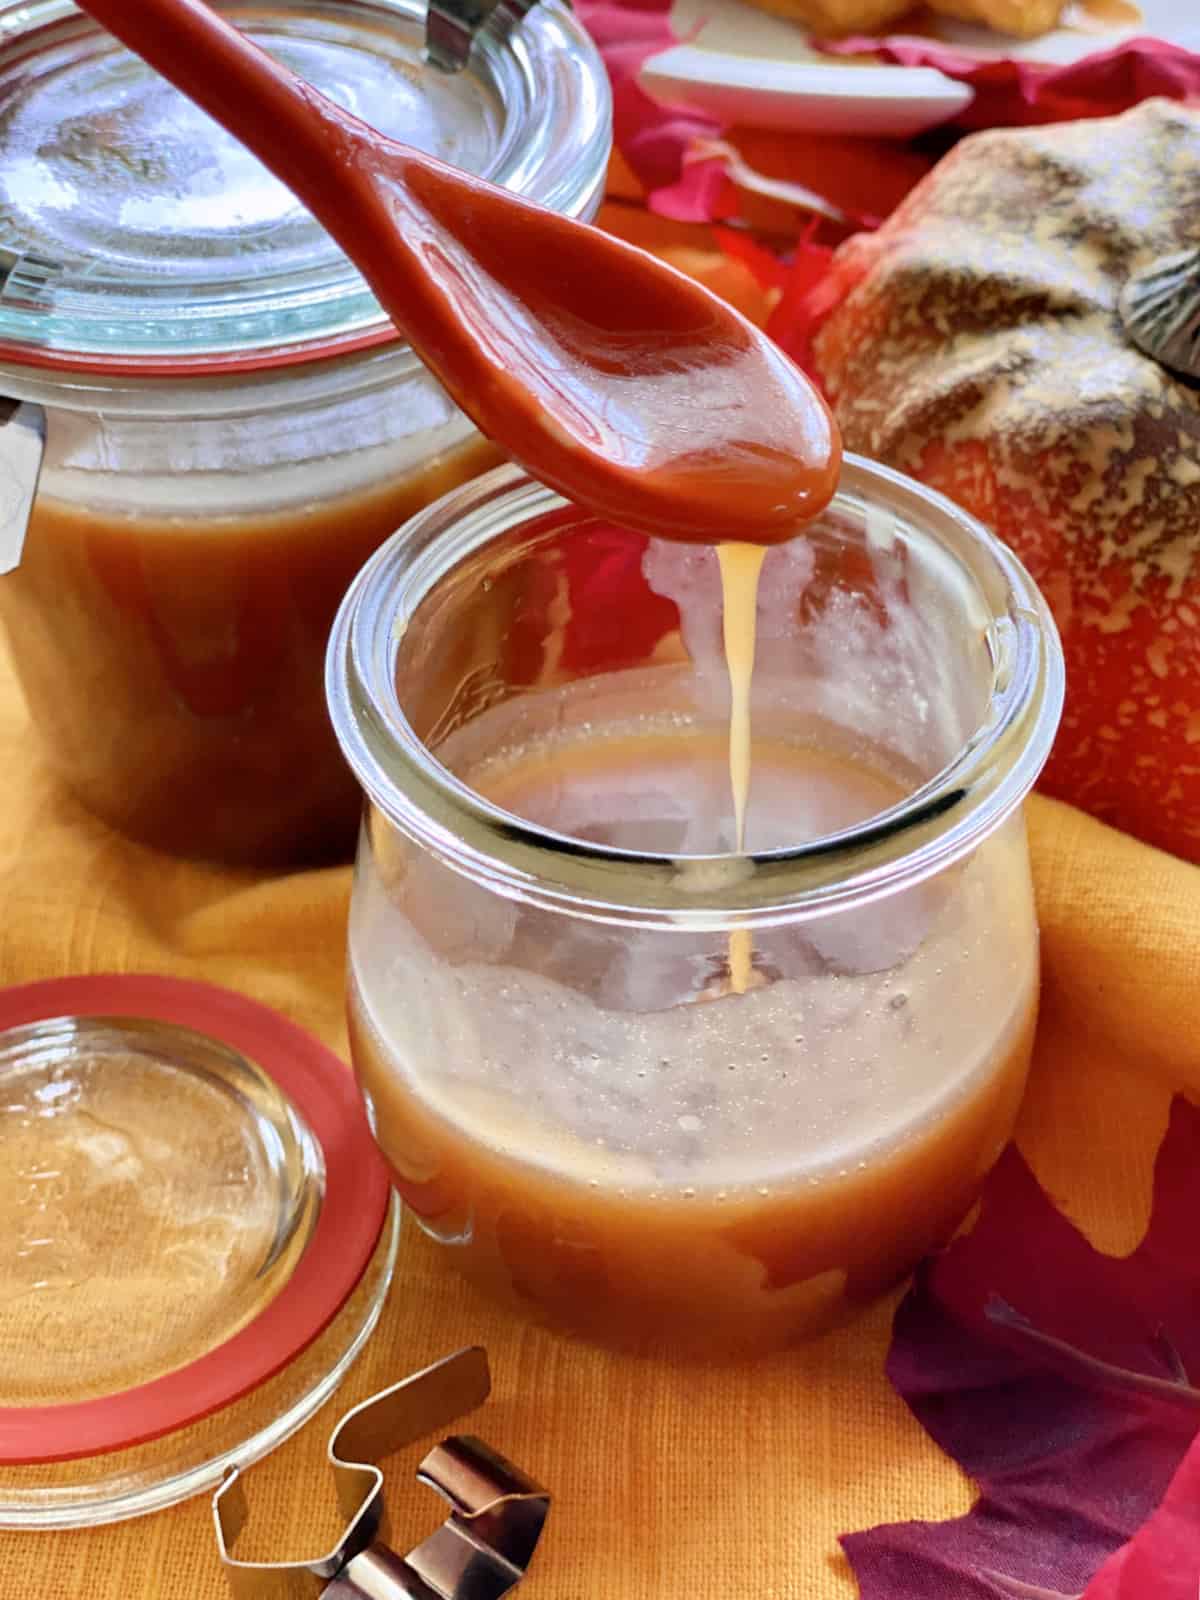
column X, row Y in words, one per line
column 608, row 375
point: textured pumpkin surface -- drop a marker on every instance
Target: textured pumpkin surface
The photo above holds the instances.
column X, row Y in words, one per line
column 978, row 348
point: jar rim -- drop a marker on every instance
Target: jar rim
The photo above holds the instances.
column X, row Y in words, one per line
column 138, row 240
column 939, row 823
column 249, row 390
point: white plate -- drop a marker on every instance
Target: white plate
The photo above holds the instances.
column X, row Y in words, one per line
column 741, row 65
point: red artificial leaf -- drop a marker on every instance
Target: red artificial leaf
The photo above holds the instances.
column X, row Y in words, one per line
column 803, row 304
column 805, row 287
column 582, row 602
column 1063, row 1381
column 769, row 270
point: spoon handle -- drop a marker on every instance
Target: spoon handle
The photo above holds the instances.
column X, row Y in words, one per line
column 310, row 144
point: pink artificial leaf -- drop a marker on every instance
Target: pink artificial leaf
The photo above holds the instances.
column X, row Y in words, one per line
column 1063, row 1381
column 1011, row 92
column 654, row 140
column 701, row 193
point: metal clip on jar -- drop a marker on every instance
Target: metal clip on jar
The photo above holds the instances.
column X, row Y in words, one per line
column 232, row 427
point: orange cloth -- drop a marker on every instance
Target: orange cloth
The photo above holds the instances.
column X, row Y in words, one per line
column 667, row 1482
column 729, row 1482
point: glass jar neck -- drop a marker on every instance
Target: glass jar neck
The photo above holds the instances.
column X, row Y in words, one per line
column 944, row 818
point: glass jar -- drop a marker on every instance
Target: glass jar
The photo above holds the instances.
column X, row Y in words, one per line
column 232, row 424
column 570, row 1090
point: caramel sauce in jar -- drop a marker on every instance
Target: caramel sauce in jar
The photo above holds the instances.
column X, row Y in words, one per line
column 173, row 666
column 731, row 1174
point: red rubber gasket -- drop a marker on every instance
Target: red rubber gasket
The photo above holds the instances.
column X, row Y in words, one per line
column 349, row 1223
column 195, row 366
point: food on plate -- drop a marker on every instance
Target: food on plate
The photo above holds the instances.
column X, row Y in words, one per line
column 832, row 17
column 829, row 18
column 978, row 346
column 1025, row 18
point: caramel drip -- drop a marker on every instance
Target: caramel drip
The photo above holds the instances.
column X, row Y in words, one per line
column 741, row 565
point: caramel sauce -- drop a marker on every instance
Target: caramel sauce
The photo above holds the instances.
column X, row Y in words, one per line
column 539, row 1218
column 741, row 567
column 715, row 1177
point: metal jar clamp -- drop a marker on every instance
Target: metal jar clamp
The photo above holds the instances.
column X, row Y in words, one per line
column 451, row 26
column 479, row 1553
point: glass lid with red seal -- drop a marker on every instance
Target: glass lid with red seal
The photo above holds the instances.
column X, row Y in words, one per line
column 198, row 1237
column 134, row 230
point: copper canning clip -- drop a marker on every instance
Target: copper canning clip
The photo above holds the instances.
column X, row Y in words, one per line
column 451, row 26
column 478, row 1553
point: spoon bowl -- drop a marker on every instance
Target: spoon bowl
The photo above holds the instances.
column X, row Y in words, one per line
column 613, row 378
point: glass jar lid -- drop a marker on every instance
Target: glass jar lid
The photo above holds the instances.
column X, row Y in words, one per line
column 197, row 1240
column 135, row 233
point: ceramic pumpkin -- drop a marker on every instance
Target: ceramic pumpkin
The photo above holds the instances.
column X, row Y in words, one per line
column 977, row 344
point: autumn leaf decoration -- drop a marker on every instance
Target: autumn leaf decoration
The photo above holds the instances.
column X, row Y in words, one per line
column 1067, row 1385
